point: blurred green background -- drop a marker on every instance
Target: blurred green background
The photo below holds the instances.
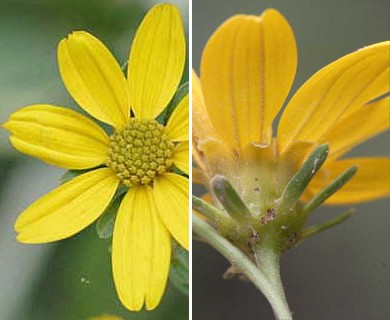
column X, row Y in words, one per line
column 69, row 280
column 343, row 273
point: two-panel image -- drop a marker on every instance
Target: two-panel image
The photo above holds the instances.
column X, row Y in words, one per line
column 205, row 160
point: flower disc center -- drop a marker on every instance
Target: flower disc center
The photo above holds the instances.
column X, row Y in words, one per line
column 140, row 152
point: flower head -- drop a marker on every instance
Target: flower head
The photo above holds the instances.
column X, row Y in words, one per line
column 247, row 69
column 140, row 153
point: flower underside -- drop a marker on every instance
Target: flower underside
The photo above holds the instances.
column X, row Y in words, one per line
column 140, row 152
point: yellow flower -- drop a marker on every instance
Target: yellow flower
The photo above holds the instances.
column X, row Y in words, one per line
column 140, row 153
column 247, row 69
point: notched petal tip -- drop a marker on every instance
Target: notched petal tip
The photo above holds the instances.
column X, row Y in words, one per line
column 64, row 42
column 19, row 223
column 77, row 35
column 10, row 122
column 20, row 238
column 153, row 304
column 25, row 239
column 165, row 6
column 133, row 307
column 271, row 12
column 7, row 125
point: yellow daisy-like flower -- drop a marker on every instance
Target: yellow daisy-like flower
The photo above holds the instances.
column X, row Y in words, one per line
column 140, row 153
column 247, row 69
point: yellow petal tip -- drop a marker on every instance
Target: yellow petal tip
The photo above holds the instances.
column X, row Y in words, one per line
column 164, row 5
column 130, row 305
column 6, row 125
column 21, row 238
column 270, row 11
column 19, row 224
column 75, row 34
column 152, row 305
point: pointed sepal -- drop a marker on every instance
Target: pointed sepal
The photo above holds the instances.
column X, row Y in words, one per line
column 329, row 190
column 298, row 183
column 229, row 198
column 318, row 228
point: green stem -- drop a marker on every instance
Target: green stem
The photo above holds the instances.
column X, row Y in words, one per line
column 240, row 261
column 267, row 259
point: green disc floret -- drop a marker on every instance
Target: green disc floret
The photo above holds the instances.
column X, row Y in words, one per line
column 140, row 152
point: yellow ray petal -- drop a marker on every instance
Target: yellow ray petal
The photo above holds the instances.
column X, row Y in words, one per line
column 359, row 126
column 197, row 157
column 292, row 159
column 218, row 159
column 205, row 138
column 181, row 157
column 156, row 60
column 372, row 180
column 335, row 92
column 58, row 136
column 247, row 70
column 141, row 251
column 198, row 176
column 68, row 209
column 171, row 195
column 177, row 126
column 94, row 78
column 202, row 128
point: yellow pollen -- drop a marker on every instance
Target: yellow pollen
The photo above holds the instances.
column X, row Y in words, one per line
column 140, row 152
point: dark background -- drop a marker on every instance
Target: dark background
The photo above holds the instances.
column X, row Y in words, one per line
column 343, row 273
column 71, row 279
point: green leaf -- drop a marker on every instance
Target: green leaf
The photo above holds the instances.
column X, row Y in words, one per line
column 70, row 174
column 298, row 183
column 229, row 198
column 179, row 95
column 179, row 172
column 178, row 275
column 124, row 65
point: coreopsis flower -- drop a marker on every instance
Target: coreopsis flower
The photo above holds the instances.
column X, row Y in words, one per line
column 247, row 69
column 139, row 153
